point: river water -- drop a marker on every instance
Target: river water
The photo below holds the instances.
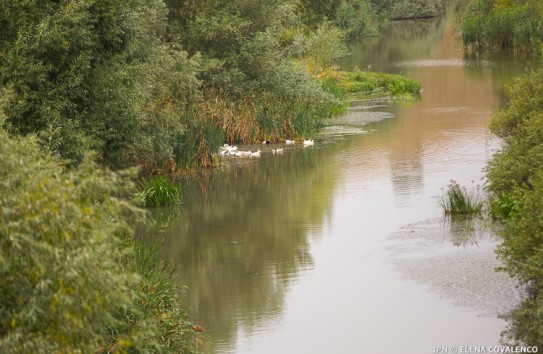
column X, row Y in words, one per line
column 341, row 247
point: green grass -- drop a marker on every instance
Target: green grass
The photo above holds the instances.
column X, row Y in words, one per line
column 158, row 191
column 341, row 83
column 369, row 82
column 459, row 200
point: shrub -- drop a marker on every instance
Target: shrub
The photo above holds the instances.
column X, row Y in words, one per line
column 68, row 280
column 515, row 177
column 94, row 74
column 357, row 18
column 322, row 48
column 520, row 127
column 501, row 206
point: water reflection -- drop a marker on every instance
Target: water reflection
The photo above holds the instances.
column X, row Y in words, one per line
column 241, row 237
column 401, row 41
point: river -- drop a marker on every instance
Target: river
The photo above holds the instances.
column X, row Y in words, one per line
column 342, row 247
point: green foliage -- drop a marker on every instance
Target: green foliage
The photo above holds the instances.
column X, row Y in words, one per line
column 110, row 76
column 314, row 12
column 357, row 18
column 322, row 48
column 520, row 125
column 158, row 191
column 501, row 207
column 504, row 24
column 402, row 9
column 369, row 82
column 200, row 140
column 331, row 85
column 526, row 322
column 66, row 282
column 94, row 74
column 515, row 177
column 255, row 58
column 522, row 254
column 459, row 200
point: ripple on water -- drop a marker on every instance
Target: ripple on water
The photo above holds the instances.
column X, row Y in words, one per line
column 444, row 62
column 457, row 260
column 358, row 118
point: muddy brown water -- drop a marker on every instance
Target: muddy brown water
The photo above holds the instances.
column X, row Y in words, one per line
column 341, row 247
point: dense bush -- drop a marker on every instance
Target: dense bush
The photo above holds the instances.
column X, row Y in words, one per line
column 504, row 24
column 515, row 178
column 520, row 127
column 70, row 281
column 94, row 74
column 358, row 18
column 404, row 9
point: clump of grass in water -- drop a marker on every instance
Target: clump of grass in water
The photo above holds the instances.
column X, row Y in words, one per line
column 366, row 82
column 459, row 200
column 158, row 191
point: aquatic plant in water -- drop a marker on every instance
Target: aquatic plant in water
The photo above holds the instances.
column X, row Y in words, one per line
column 158, row 191
column 459, row 200
column 366, row 82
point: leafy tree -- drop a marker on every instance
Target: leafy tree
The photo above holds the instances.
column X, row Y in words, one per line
column 358, row 18
column 314, row 11
column 85, row 74
column 410, row 8
column 69, row 279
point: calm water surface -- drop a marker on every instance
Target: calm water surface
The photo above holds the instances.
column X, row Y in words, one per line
column 340, row 247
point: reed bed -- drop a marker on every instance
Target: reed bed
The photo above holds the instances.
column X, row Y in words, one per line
column 264, row 116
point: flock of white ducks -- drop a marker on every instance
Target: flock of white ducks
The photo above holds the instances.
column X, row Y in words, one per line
column 234, row 151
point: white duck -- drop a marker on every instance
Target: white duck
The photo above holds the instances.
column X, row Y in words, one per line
column 255, row 154
column 278, row 151
column 289, row 142
column 308, row 142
